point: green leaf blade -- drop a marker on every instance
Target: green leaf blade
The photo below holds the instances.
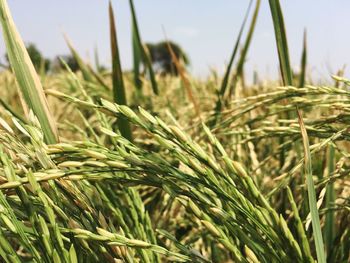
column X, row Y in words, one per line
column 144, row 52
column 26, row 76
column 286, row 71
column 119, row 95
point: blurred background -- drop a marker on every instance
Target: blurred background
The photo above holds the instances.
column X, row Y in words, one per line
column 206, row 31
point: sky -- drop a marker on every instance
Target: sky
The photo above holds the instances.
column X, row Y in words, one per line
column 205, row 29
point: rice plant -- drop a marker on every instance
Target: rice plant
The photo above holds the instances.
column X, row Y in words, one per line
column 94, row 170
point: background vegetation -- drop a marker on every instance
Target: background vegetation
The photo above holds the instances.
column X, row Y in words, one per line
column 153, row 165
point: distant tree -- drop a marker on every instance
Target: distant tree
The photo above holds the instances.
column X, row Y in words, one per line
column 161, row 57
column 69, row 59
column 36, row 57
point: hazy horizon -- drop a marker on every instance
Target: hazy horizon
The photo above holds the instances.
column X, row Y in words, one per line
column 206, row 31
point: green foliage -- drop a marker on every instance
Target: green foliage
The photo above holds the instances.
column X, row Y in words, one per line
column 36, row 57
column 28, row 80
column 239, row 70
column 38, row 60
column 69, row 60
column 286, row 71
column 180, row 191
column 161, row 57
column 141, row 53
column 119, row 95
column 137, row 60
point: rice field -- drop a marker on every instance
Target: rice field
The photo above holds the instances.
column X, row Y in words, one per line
column 109, row 166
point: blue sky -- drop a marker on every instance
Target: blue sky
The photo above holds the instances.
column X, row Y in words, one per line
column 205, row 29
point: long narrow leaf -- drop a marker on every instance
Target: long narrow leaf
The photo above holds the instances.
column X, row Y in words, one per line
column 88, row 72
column 283, row 53
column 117, row 76
column 281, row 42
column 242, row 59
column 330, row 198
column 224, row 83
column 137, row 56
column 97, row 60
column 303, row 63
column 145, row 55
column 83, row 67
column 26, row 75
column 315, row 219
column 233, row 56
column 301, row 85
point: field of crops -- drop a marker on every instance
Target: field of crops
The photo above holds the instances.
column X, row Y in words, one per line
column 113, row 166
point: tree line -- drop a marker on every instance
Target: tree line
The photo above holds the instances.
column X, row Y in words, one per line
column 159, row 53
